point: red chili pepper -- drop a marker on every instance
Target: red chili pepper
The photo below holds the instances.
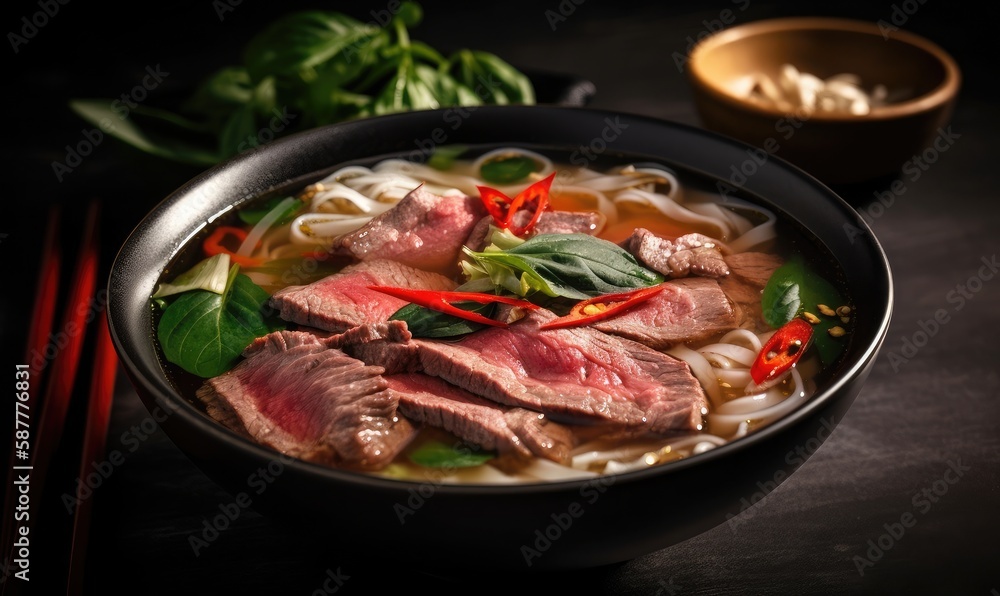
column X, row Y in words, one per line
column 441, row 301
column 504, row 208
column 782, row 350
column 602, row 307
column 215, row 245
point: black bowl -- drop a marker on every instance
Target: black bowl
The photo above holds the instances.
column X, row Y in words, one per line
column 564, row 525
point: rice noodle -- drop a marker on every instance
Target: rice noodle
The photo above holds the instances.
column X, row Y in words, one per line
column 262, row 226
column 349, row 197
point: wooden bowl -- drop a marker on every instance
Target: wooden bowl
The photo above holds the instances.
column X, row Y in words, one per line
column 837, row 147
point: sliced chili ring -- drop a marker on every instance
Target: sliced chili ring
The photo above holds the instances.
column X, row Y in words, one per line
column 503, row 209
column 784, row 348
column 602, row 307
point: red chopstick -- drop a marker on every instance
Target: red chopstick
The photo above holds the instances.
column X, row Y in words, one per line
column 102, row 389
column 60, row 386
column 40, row 327
column 61, row 375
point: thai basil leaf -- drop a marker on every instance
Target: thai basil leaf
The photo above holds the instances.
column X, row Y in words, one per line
column 301, row 41
column 493, row 79
column 165, row 135
column 795, row 288
column 577, row 266
column 435, row 454
column 205, row 333
column 782, row 301
column 427, row 322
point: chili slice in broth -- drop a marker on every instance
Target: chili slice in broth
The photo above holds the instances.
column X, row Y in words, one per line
column 782, row 350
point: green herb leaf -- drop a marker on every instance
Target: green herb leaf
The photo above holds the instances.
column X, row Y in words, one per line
column 205, row 333
column 321, row 67
column 795, row 288
column 427, row 322
column 435, row 454
column 577, row 266
column 168, row 144
column 782, row 302
column 444, row 157
column 508, row 170
column 301, row 41
column 253, row 216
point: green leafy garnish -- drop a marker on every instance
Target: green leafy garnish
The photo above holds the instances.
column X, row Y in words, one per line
column 507, row 170
column 435, row 454
column 205, row 333
column 307, row 69
column 427, row 322
column 444, row 157
column 253, row 215
column 793, row 289
column 576, row 266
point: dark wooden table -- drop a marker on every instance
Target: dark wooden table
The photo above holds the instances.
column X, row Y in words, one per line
column 902, row 499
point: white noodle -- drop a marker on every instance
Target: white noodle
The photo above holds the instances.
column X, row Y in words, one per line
column 265, row 223
column 356, row 194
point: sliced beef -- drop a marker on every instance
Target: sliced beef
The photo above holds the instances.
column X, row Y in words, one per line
column 386, row 344
column 575, row 376
column 686, row 310
column 510, row 431
column 690, row 254
column 303, row 399
column 749, row 274
column 342, row 300
column 423, row 230
column 550, row 222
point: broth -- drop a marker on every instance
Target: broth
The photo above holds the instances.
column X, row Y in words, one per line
column 697, row 208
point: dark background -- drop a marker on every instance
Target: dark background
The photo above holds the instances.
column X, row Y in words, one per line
column 909, row 422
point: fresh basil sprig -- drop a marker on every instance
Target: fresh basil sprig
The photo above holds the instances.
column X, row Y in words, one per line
column 575, row 266
column 308, row 69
